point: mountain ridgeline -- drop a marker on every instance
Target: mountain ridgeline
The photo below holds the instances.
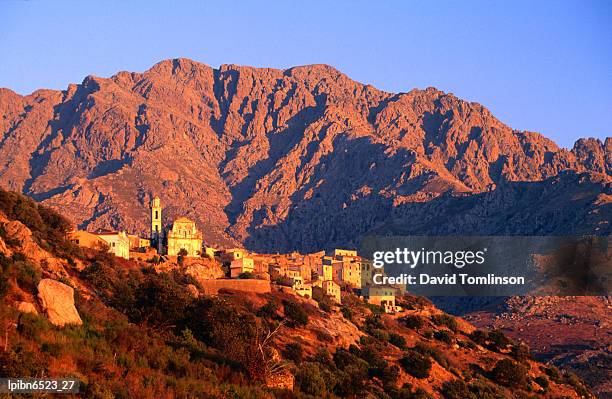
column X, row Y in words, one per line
column 303, row 158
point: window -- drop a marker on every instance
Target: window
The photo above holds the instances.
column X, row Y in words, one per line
column 156, row 214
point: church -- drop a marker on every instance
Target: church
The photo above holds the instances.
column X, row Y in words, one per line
column 183, row 235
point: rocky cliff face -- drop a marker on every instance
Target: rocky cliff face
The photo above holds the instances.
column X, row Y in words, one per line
column 302, row 158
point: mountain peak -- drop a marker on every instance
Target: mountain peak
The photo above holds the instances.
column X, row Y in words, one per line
column 273, row 159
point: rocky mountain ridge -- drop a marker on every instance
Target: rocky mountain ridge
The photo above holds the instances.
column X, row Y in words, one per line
column 302, row 158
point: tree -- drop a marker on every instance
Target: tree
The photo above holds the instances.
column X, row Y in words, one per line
column 181, row 256
column 509, row 373
column 295, row 313
column 416, row 364
column 456, row 389
column 309, row 379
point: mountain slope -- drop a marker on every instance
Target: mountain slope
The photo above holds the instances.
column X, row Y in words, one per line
column 301, row 158
column 147, row 331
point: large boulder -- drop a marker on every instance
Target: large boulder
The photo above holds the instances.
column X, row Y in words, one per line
column 57, row 301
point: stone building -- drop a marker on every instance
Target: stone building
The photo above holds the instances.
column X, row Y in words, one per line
column 383, row 296
column 118, row 242
column 184, row 234
column 241, row 265
column 332, row 289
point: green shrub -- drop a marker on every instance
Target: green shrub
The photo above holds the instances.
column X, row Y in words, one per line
column 484, row 390
column 445, row 320
column 542, row 381
column 520, row 352
column 295, row 313
column 577, row 384
column 28, row 275
column 294, row 352
column 443, row 336
column 433, row 352
column 380, row 334
column 21, row 362
column 416, row 364
column 498, row 340
column 457, row 389
column 52, row 348
column 344, row 358
column 414, row 322
column 33, row 326
column 397, row 340
column 346, row 312
column 553, row 373
column 269, row 310
column 310, row 379
column 509, row 373
column 480, row 337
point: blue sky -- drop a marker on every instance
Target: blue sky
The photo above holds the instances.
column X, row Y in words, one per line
column 541, row 66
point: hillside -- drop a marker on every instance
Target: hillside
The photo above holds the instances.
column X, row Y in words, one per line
column 143, row 332
column 303, row 158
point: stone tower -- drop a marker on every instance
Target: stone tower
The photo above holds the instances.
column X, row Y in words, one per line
column 156, row 218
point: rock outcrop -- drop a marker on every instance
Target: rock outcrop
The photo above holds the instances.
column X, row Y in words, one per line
column 57, row 301
column 26, row 307
column 302, row 158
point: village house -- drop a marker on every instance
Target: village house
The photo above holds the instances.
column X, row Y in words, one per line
column 302, row 289
column 86, row 239
column 241, row 265
column 383, row 296
column 344, row 252
column 229, row 255
column 332, row 289
column 118, row 242
column 137, row 242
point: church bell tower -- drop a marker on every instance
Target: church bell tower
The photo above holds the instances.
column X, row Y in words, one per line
column 156, row 219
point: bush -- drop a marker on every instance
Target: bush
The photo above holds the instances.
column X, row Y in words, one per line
column 542, row 381
column 414, row 322
column 416, row 364
column 160, row 301
column 397, row 340
column 457, row 389
column 28, row 275
column 269, row 310
column 310, row 380
column 520, row 352
column 443, row 336
column 577, row 384
column 295, row 313
column 445, row 320
column 343, row 359
column 433, row 352
column 33, row 326
column 99, row 275
column 553, row 373
column 509, row 373
column 498, row 340
column 294, row 352
column 21, row 362
column 480, row 337
column 347, row 313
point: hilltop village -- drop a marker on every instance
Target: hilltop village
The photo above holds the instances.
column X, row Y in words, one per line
column 307, row 275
